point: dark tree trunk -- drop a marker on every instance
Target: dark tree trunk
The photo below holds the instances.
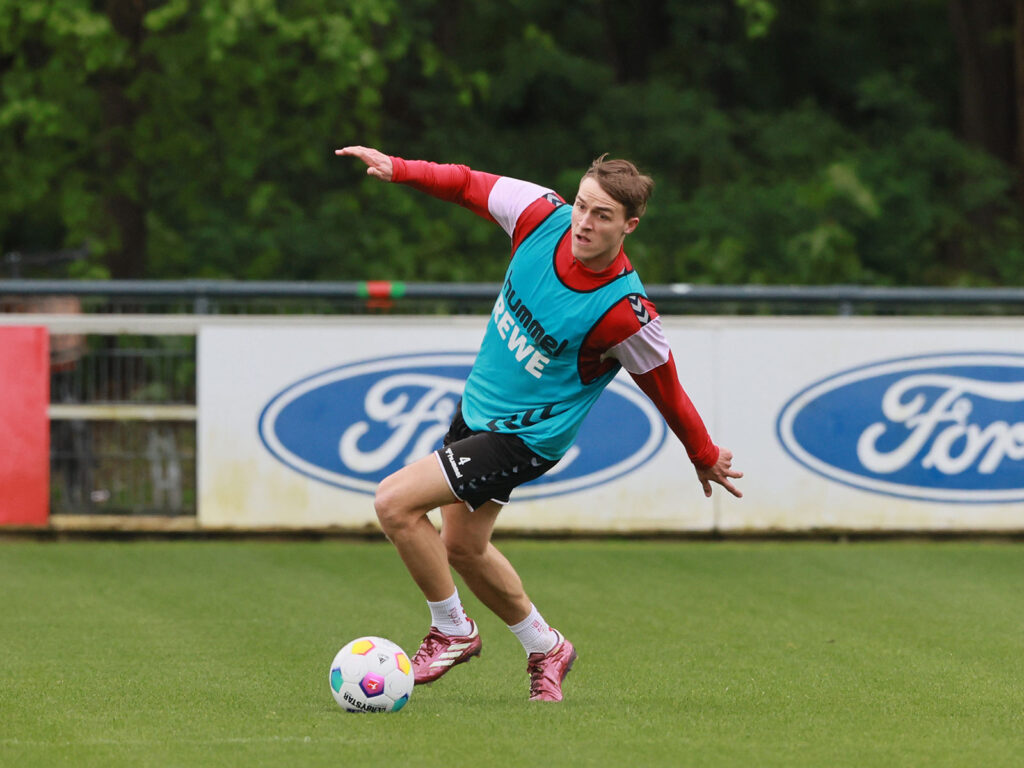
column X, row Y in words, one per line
column 987, row 91
column 1018, row 45
column 126, row 192
column 634, row 32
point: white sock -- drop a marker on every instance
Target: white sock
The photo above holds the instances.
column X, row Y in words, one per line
column 534, row 633
column 449, row 616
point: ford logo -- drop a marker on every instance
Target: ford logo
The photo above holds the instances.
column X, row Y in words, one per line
column 944, row 427
column 353, row 425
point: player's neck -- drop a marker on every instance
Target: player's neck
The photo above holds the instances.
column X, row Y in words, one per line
column 582, row 277
column 599, row 264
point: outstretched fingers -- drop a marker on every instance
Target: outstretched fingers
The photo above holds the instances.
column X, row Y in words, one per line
column 378, row 164
column 721, row 473
column 725, row 483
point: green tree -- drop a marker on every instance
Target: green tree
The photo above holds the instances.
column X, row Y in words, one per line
column 801, row 141
column 793, row 141
column 184, row 137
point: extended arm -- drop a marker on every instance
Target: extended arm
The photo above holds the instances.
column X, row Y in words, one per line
column 500, row 199
column 631, row 335
column 713, row 464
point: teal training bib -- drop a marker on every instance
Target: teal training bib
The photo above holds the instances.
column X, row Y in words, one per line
column 526, row 380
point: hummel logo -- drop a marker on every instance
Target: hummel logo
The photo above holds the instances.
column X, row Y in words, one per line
column 636, row 302
column 464, row 460
column 450, row 455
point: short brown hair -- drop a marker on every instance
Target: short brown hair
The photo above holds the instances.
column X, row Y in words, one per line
column 624, row 182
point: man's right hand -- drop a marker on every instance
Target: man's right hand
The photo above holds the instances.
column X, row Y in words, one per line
column 378, row 164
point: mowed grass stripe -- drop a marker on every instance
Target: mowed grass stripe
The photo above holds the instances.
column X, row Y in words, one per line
column 691, row 653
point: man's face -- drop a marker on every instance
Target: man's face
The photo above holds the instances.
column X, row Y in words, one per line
column 599, row 225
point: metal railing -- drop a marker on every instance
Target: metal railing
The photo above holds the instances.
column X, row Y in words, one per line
column 264, row 297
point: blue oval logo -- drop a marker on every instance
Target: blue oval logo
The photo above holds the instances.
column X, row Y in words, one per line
column 943, row 427
column 353, row 425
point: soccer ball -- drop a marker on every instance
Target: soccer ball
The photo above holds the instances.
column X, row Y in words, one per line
column 371, row 674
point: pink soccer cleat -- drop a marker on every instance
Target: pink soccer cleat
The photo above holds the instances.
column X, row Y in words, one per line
column 548, row 670
column 440, row 652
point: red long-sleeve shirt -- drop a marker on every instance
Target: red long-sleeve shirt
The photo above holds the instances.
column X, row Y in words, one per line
column 629, row 334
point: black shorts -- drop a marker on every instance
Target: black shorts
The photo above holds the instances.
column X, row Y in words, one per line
column 486, row 466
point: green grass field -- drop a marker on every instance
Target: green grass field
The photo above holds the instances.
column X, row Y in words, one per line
column 191, row 653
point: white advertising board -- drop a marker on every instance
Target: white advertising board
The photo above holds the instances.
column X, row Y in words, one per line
column 838, row 424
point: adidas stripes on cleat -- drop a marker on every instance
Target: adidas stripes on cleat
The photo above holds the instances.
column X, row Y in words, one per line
column 440, row 652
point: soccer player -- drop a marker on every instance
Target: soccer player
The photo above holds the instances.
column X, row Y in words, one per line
column 571, row 312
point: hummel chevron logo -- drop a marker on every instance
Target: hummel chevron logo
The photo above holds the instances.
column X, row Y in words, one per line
column 636, row 302
column 524, row 419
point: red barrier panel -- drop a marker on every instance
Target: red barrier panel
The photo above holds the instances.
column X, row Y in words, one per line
column 24, row 426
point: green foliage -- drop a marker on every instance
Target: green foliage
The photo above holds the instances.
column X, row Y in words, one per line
column 771, row 168
column 759, row 15
column 791, row 142
column 229, row 110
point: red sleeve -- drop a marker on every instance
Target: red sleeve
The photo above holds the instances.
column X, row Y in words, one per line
column 628, row 317
column 630, row 335
column 454, row 183
column 662, row 385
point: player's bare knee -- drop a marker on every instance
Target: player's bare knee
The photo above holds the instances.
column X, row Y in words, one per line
column 462, row 554
column 392, row 520
column 392, row 514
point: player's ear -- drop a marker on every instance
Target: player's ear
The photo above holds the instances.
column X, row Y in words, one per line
column 631, row 224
